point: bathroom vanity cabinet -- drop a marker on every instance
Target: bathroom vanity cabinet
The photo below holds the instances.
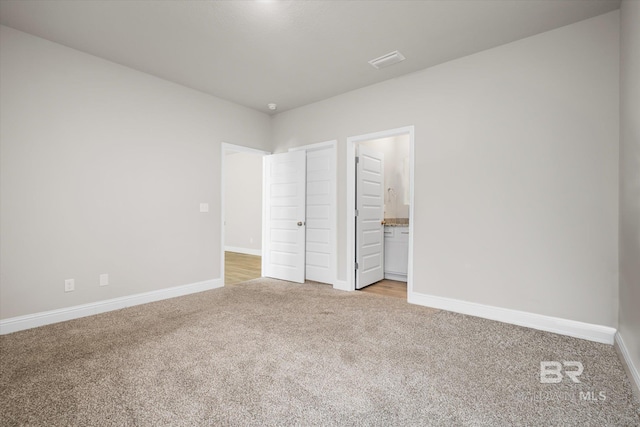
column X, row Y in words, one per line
column 396, row 252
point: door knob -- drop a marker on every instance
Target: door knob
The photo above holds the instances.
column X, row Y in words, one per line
column 300, row 223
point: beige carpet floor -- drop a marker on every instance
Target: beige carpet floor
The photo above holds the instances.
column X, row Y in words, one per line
column 267, row 352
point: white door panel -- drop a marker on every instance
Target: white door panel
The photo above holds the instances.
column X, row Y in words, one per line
column 370, row 238
column 280, row 192
column 318, row 190
column 283, row 211
column 285, row 198
column 317, row 213
column 369, row 228
column 320, row 201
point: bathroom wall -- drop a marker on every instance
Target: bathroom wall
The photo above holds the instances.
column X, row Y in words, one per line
column 396, row 174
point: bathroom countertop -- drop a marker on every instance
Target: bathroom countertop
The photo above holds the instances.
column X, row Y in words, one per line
column 396, row 222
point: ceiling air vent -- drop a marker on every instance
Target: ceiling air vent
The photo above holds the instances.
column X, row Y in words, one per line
column 386, row 60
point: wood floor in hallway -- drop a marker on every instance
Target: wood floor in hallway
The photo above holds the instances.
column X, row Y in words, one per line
column 242, row 267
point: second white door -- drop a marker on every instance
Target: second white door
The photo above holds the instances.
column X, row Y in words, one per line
column 320, row 257
column 370, row 216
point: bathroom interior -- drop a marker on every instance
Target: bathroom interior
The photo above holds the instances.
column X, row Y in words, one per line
column 396, row 205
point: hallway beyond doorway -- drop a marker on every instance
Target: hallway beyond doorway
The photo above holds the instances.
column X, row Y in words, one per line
column 241, row 267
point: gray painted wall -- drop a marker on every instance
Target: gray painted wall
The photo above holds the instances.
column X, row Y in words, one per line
column 243, row 201
column 630, row 179
column 103, row 169
column 516, row 169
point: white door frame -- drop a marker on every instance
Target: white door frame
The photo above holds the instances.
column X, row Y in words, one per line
column 352, row 142
column 333, row 145
column 224, row 148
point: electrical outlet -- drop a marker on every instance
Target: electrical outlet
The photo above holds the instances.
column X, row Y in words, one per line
column 69, row 285
column 204, row 207
column 104, row 279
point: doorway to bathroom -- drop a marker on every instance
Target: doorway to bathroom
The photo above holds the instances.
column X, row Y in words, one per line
column 380, row 205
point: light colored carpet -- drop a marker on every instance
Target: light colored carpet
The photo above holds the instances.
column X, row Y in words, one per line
column 267, row 352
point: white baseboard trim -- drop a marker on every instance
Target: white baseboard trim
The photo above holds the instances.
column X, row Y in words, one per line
column 341, row 285
column 257, row 252
column 15, row 324
column 572, row 328
column 632, row 370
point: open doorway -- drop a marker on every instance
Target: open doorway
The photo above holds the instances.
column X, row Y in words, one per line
column 380, row 206
column 296, row 208
column 242, row 186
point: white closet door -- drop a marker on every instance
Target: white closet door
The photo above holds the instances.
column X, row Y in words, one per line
column 320, row 217
column 285, row 202
column 369, row 227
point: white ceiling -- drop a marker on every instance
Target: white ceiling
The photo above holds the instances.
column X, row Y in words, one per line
column 288, row 52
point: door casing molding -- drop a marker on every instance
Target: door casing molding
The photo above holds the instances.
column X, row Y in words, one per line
column 352, row 143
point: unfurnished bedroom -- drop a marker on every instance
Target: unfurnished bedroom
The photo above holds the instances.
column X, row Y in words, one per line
column 316, row 213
